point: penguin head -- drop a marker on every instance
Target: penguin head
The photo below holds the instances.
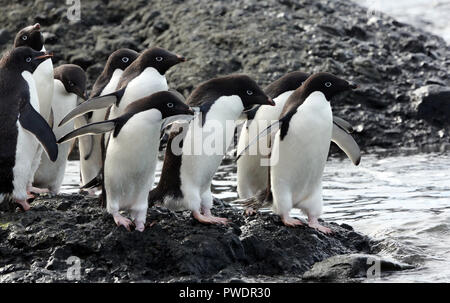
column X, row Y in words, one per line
column 167, row 103
column 328, row 84
column 30, row 36
column 121, row 59
column 249, row 92
column 73, row 78
column 159, row 58
column 24, row 58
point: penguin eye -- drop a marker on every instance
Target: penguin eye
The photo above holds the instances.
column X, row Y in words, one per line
column 28, row 59
column 24, row 37
column 159, row 59
column 327, row 84
column 249, row 92
column 125, row 59
column 169, row 105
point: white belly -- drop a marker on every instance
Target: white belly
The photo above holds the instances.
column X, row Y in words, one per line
column 131, row 161
column 251, row 175
column 147, row 83
column 296, row 176
column 50, row 174
column 204, row 147
column 43, row 76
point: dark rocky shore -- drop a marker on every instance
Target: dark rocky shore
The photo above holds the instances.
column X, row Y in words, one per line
column 34, row 247
column 402, row 104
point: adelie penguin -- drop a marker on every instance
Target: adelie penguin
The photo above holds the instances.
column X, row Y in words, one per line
column 251, row 173
column 90, row 146
column 69, row 89
column 132, row 153
column 20, row 123
column 300, row 150
column 189, row 164
column 145, row 76
column 31, row 36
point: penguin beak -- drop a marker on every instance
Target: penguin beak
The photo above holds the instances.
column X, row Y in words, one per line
column 85, row 95
column 44, row 56
column 181, row 58
column 37, row 26
column 353, row 85
column 190, row 111
column 270, row 101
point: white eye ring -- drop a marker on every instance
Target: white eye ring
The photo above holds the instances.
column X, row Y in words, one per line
column 249, row 92
column 327, row 84
column 125, row 59
column 24, row 37
column 159, row 59
column 169, row 105
column 28, row 59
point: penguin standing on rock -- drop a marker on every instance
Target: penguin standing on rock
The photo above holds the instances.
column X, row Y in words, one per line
column 69, row 88
column 132, row 153
column 31, row 36
column 90, row 146
column 251, row 174
column 300, row 150
column 20, row 123
column 188, row 169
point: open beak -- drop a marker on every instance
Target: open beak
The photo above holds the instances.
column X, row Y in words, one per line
column 44, row 56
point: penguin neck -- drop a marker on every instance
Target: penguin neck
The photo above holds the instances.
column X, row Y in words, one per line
column 114, row 79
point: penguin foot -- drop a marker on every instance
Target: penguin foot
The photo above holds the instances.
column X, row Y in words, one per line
column 37, row 190
column 122, row 221
column 249, row 211
column 23, row 204
column 140, row 226
column 291, row 222
column 314, row 223
column 209, row 219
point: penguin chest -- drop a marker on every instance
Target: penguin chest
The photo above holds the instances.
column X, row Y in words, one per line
column 132, row 155
column 43, row 76
column 113, row 82
column 301, row 155
column 205, row 145
column 148, row 82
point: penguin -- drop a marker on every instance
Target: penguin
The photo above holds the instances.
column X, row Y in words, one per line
column 145, row 76
column 69, row 87
column 300, row 150
column 106, row 83
column 132, row 153
column 31, row 36
column 189, row 165
column 251, row 173
column 20, row 123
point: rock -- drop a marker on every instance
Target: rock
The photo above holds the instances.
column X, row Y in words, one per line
column 343, row 268
column 5, row 36
column 174, row 248
column 433, row 104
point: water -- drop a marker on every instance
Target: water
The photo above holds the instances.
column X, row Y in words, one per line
column 430, row 15
column 404, row 201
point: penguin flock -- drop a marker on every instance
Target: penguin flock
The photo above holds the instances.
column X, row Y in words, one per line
column 282, row 149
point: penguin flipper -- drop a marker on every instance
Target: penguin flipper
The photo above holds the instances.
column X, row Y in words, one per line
column 346, row 143
column 274, row 127
column 94, row 104
column 343, row 124
column 90, row 129
column 32, row 121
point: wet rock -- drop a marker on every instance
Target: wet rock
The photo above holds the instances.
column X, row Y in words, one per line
column 36, row 246
column 342, row 268
column 433, row 104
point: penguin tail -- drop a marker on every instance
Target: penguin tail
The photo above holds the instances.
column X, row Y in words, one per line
column 96, row 182
column 262, row 199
